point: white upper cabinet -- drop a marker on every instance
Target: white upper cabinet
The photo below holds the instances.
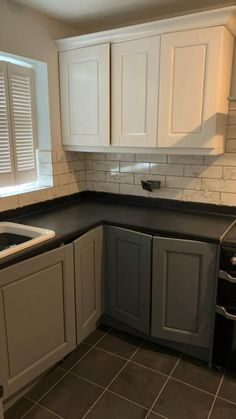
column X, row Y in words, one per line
column 194, row 84
column 85, row 96
column 163, row 85
column 134, row 89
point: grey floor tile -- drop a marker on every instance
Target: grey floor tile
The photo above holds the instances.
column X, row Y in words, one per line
column 223, row 410
column 44, row 384
column 197, row 374
column 18, row 409
column 156, row 357
column 119, row 343
column 74, row 357
column 71, row 397
column 39, row 413
column 97, row 334
column 138, row 384
column 228, row 387
column 153, row 415
column 180, row 401
column 99, row 366
column 110, row 406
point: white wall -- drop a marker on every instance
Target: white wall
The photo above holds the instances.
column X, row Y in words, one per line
column 30, row 34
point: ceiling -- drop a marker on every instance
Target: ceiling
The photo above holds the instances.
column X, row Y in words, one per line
column 88, row 15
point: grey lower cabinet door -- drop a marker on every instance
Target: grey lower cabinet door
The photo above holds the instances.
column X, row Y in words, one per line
column 128, row 277
column 184, row 280
column 88, row 281
column 37, row 316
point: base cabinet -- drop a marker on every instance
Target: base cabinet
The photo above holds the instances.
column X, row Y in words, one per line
column 37, row 321
column 184, row 278
column 88, row 281
column 128, row 277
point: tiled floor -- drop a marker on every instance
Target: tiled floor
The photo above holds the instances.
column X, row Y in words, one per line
column 112, row 375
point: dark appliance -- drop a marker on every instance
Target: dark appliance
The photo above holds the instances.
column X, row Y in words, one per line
column 224, row 349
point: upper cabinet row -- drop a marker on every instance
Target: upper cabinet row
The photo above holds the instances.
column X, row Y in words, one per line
column 164, row 92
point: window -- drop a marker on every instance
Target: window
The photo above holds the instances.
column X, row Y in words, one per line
column 17, row 125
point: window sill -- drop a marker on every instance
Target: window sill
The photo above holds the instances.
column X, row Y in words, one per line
column 21, row 189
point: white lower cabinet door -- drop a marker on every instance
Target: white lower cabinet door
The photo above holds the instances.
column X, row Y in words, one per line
column 134, row 84
column 88, row 280
column 37, row 316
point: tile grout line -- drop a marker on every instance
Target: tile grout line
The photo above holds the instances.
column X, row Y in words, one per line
column 164, row 385
column 226, row 400
column 213, row 403
column 122, row 368
column 64, row 375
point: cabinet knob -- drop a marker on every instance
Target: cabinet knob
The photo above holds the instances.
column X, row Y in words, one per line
column 233, row 260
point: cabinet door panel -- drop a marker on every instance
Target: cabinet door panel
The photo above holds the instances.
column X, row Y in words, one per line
column 127, row 285
column 135, row 68
column 88, row 280
column 85, row 90
column 184, row 277
column 37, row 316
column 189, row 82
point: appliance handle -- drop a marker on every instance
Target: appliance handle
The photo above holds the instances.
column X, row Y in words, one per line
column 221, row 310
column 227, row 277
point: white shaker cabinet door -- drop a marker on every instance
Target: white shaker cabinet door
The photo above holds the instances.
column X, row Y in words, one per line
column 194, row 84
column 88, row 281
column 85, row 96
column 134, row 83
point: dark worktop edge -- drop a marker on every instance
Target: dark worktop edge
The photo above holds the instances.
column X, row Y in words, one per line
column 129, row 200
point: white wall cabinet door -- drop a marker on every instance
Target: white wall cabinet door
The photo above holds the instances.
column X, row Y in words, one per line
column 134, row 83
column 85, row 96
column 88, row 281
column 194, row 84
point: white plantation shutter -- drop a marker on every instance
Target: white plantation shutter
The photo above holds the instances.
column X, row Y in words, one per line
column 20, row 80
column 6, row 149
column 17, row 125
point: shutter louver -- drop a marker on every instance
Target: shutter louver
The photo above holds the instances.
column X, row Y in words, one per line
column 6, row 161
column 21, row 94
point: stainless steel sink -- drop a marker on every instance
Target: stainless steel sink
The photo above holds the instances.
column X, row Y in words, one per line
column 15, row 237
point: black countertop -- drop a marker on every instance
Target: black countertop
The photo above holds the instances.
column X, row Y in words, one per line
column 71, row 217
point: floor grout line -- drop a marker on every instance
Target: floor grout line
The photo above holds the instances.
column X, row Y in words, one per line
column 213, row 403
column 122, row 368
column 190, row 385
column 125, row 398
column 164, row 385
column 66, row 373
column 50, row 411
column 226, row 400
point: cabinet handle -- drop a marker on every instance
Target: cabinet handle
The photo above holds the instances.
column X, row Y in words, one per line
column 227, row 277
column 221, row 310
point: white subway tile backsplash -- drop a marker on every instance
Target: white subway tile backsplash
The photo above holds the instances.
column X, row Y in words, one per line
column 167, row 193
column 183, row 182
column 201, row 196
column 102, row 166
column 106, row 187
column 185, row 159
column 151, row 158
column 138, row 178
column 167, row 169
column 120, row 156
column 214, row 172
column 220, row 185
column 228, row 199
column 134, row 167
column 127, row 189
column 99, row 176
column 119, row 177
